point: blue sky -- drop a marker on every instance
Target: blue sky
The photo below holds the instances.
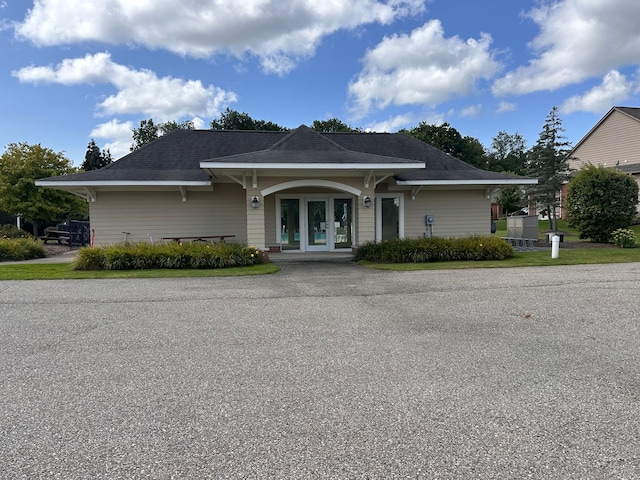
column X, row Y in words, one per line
column 72, row 70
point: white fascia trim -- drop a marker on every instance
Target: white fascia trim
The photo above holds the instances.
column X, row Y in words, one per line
column 529, row 181
column 311, row 166
column 124, row 183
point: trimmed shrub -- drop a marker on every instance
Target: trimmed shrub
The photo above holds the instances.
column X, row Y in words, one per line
column 624, row 238
column 173, row 255
column 435, row 249
column 20, row 249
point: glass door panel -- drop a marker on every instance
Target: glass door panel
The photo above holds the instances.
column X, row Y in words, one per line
column 342, row 222
column 390, row 218
column 317, row 224
column 290, row 215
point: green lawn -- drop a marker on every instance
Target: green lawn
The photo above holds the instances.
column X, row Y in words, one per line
column 63, row 271
column 540, row 258
column 571, row 234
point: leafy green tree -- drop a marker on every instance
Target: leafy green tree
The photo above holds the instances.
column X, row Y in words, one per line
column 95, row 158
column 446, row 138
column 472, row 152
column 173, row 125
column 549, row 161
column 145, row 133
column 601, row 200
column 20, row 165
column 510, row 199
column 150, row 131
column 333, row 125
column 234, row 120
column 508, row 153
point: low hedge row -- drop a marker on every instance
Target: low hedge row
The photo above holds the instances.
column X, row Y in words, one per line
column 435, row 249
column 16, row 249
column 143, row 256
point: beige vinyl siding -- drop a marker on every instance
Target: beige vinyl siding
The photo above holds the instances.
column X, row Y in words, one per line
column 270, row 219
column 164, row 214
column 616, row 139
column 458, row 213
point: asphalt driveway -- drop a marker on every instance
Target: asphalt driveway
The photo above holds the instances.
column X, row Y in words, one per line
column 324, row 370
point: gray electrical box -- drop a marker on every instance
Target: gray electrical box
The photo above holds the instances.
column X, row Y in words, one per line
column 522, row 226
column 428, row 219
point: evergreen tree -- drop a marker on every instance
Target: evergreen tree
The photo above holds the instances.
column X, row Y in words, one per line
column 549, row 161
column 94, row 158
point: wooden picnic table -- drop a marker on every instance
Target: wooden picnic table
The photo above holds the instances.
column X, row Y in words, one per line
column 58, row 235
column 199, row 238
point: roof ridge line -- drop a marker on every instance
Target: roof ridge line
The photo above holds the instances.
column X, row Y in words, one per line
column 304, row 128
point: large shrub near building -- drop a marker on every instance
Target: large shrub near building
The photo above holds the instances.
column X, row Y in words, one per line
column 142, row 256
column 20, row 249
column 599, row 201
column 435, row 249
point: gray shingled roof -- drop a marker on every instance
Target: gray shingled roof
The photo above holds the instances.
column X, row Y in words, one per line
column 633, row 111
column 177, row 155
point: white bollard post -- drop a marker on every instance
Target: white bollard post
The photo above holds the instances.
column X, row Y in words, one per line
column 555, row 246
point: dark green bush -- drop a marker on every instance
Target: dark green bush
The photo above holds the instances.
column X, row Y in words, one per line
column 435, row 249
column 601, row 200
column 11, row 231
column 144, row 256
column 20, row 249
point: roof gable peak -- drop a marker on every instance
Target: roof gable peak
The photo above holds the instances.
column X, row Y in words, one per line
column 304, row 138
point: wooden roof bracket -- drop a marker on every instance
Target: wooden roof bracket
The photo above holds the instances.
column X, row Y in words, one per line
column 381, row 179
column 89, row 195
column 414, row 192
column 367, row 178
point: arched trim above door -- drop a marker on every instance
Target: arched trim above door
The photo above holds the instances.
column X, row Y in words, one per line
column 311, row 183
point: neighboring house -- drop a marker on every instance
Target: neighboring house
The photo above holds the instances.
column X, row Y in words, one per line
column 614, row 142
column 299, row 190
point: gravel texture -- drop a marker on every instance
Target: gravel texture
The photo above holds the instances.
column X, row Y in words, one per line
column 324, row 370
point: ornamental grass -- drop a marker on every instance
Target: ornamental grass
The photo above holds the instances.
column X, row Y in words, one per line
column 435, row 249
column 172, row 255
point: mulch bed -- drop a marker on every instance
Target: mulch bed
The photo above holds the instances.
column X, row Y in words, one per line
column 53, row 250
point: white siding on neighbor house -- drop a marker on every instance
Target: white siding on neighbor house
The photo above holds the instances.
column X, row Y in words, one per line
column 616, row 139
column 457, row 213
column 164, row 214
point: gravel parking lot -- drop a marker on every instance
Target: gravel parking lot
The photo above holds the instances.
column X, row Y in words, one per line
column 324, row 370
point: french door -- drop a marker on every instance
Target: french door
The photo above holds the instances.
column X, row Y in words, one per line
column 315, row 223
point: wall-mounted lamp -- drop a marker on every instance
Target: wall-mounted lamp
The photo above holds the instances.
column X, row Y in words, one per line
column 255, row 202
column 366, row 201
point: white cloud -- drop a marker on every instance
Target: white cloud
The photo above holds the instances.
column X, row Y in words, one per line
column 506, row 107
column 138, row 91
column 578, row 39
column 280, row 33
column 421, row 68
column 614, row 88
column 393, row 124
column 473, row 111
column 118, row 134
